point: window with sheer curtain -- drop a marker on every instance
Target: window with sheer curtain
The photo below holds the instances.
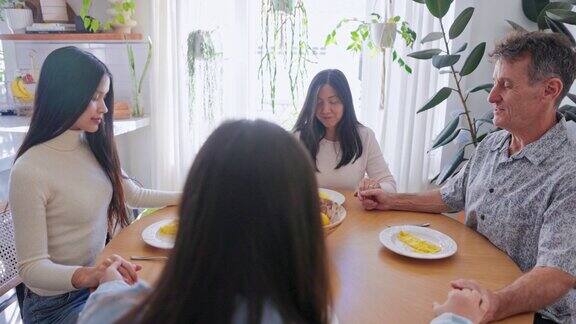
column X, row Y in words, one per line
column 235, row 27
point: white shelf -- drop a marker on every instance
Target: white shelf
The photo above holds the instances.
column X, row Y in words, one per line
column 13, row 129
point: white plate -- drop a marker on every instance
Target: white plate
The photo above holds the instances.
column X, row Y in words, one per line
column 339, row 213
column 151, row 236
column 335, row 196
column 388, row 237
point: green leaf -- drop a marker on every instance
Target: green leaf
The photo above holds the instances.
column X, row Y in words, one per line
column 420, row 1
column 86, row 22
column 425, row 54
column 561, row 15
column 487, row 86
column 438, row 8
column 552, row 5
column 95, row 25
column 488, row 115
column 451, row 168
column 559, row 27
column 440, row 96
column 441, row 61
column 481, row 137
column 532, row 8
column 473, row 59
column 447, row 132
column 515, row 26
column 448, row 140
column 394, row 56
column 571, row 97
column 460, row 22
column 462, row 48
column 407, row 68
column 432, row 37
column 121, row 19
column 355, row 35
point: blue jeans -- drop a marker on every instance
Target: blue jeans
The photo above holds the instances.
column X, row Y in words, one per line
column 53, row 309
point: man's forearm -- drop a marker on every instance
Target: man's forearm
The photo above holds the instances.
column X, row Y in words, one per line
column 534, row 290
column 428, row 202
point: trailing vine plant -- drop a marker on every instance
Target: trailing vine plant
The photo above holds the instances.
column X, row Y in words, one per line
column 284, row 35
column 204, row 74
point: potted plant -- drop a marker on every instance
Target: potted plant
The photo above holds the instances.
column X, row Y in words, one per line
column 446, row 61
column 122, row 12
column 16, row 15
column 84, row 22
column 137, row 83
column 377, row 34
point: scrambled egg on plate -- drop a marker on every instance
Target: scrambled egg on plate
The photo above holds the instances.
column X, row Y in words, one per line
column 418, row 245
column 169, row 229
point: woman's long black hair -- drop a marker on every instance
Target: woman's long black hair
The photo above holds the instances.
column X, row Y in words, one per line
column 311, row 129
column 68, row 80
column 249, row 234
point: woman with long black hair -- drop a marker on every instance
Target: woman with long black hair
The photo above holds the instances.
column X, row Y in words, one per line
column 344, row 151
column 250, row 245
column 67, row 190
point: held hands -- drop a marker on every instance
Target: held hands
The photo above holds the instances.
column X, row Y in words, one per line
column 114, row 267
column 466, row 303
column 375, row 199
column 366, row 184
column 490, row 301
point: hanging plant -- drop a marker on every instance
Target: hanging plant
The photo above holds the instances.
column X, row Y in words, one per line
column 377, row 34
column 204, row 74
column 284, row 35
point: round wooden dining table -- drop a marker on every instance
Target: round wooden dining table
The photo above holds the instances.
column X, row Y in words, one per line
column 371, row 283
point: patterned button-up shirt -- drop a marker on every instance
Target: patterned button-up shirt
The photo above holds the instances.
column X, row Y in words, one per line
column 525, row 204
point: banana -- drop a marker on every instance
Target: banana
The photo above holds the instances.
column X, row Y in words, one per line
column 20, row 91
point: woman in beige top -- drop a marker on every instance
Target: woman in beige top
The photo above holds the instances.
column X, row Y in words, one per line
column 67, row 190
column 344, row 150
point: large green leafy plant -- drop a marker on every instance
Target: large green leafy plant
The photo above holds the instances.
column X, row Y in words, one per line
column 447, row 61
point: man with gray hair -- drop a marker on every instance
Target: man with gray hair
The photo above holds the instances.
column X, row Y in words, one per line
column 519, row 188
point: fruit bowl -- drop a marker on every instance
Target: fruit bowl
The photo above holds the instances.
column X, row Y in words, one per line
column 335, row 212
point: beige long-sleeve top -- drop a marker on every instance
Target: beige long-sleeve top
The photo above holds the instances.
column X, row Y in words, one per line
column 370, row 163
column 59, row 197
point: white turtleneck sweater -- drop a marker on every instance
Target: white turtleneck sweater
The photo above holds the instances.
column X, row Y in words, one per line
column 59, row 197
column 347, row 177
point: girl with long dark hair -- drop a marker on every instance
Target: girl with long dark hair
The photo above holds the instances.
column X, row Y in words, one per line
column 67, row 190
column 250, row 245
column 343, row 150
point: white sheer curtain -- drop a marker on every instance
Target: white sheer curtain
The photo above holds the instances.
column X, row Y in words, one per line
column 404, row 136
column 177, row 132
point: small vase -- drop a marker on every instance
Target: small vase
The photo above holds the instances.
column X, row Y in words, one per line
column 137, row 105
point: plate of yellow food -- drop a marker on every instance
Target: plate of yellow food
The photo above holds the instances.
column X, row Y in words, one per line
column 418, row 242
column 161, row 234
column 335, row 196
column 331, row 212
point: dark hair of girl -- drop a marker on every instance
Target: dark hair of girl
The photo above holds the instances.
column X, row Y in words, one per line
column 68, row 80
column 311, row 129
column 249, row 235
